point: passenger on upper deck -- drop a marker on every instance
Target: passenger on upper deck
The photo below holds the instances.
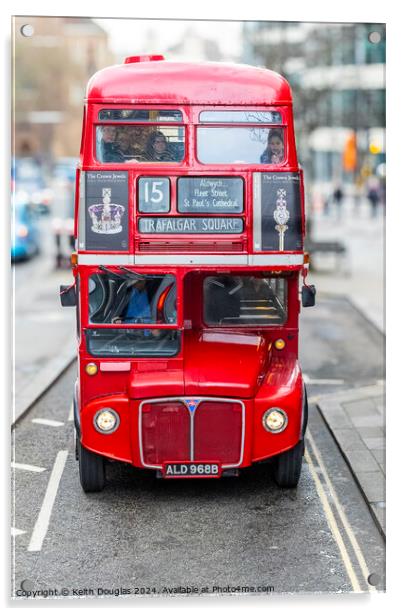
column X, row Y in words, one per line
column 123, row 142
column 274, row 152
column 157, row 148
column 110, row 152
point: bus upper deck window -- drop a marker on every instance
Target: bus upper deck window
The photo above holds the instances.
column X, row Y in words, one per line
column 141, row 115
column 240, row 117
column 116, row 143
column 240, row 144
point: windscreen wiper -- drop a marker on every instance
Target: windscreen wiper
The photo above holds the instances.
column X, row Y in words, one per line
column 137, row 276
column 131, row 274
column 127, row 273
column 103, row 268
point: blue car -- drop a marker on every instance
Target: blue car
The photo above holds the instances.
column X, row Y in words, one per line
column 65, row 168
column 25, row 238
column 28, row 176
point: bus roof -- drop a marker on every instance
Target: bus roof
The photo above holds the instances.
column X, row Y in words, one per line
column 149, row 81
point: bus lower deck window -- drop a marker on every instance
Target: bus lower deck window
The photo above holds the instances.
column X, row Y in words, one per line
column 118, row 298
column 133, row 342
column 244, row 300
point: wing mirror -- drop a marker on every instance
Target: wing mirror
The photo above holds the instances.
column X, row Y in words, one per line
column 68, row 295
column 308, row 295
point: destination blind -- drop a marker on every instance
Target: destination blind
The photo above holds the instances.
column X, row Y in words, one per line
column 190, row 225
column 212, row 195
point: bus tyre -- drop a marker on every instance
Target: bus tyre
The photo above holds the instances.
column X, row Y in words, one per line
column 288, row 466
column 92, row 470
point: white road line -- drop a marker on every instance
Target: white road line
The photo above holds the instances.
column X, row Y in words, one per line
column 71, row 413
column 42, row 522
column 27, row 467
column 333, row 525
column 314, row 399
column 309, row 381
column 16, row 531
column 48, row 422
column 352, row 537
column 46, row 317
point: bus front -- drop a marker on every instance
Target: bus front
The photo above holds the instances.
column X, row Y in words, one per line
column 189, row 227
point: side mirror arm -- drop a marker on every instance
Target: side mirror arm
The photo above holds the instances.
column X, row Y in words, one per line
column 308, row 295
column 68, row 295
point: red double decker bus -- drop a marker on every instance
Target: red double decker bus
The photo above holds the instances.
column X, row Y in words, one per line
column 188, row 273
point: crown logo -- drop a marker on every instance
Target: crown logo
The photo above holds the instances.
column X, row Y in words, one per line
column 281, row 216
column 106, row 216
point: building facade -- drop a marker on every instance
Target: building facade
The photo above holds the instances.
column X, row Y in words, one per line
column 51, row 69
column 337, row 74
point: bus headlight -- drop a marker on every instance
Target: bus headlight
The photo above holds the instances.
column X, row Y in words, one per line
column 275, row 420
column 106, row 421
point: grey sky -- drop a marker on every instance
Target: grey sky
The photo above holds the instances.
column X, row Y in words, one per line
column 133, row 36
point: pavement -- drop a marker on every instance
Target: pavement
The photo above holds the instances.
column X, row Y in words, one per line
column 356, row 416
column 359, row 275
column 356, row 419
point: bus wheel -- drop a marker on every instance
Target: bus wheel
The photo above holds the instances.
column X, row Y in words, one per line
column 288, row 466
column 92, row 470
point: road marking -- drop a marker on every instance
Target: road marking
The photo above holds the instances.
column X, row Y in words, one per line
column 71, row 413
column 333, row 525
column 42, row 522
column 46, row 317
column 48, row 422
column 352, row 537
column 309, row 381
column 16, row 531
column 27, row 467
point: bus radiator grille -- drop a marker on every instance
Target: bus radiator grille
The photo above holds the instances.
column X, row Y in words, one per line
column 171, row 432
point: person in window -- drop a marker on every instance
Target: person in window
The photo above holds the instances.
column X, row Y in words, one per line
column 274, row 152
column 110, row 152
column 123, row 142
column 138, row 309
column 157, row 148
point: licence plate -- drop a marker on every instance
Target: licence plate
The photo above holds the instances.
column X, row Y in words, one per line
column 191, row 469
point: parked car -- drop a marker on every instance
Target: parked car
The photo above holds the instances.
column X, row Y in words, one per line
column 28, row 176
column 65, row 168
column 25, row 238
